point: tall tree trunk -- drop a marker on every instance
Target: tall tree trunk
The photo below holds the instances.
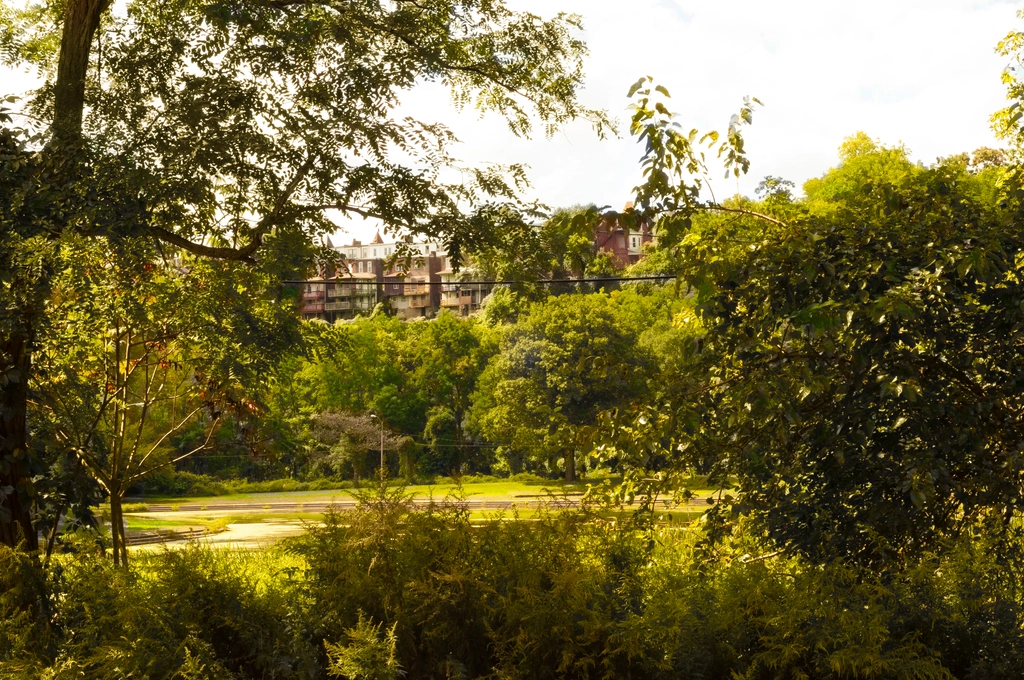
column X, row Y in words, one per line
column 570, row 465
column 81, row 19
column 15, row 505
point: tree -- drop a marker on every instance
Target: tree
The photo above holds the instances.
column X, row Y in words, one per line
column 862, row 359
column 227, row 129
column 857, row 365
column 558, row 368
column 133, row 356
column 367, row 365
column 346, row 438
column 451, row 352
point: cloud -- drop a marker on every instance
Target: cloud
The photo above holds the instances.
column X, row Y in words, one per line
column 919, row 72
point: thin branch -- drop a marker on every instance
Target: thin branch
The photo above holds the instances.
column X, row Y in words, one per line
column 762, row 558
column 246, row 252
column 742, row 211
column 169, row 432
column 141, row 473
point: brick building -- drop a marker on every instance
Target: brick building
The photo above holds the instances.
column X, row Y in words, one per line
column 364, row 281
column 461, row 298
column 622, row 238
column 429, row 284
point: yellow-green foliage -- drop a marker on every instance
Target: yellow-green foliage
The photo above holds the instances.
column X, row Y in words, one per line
column 384, row 592
column 367, row 656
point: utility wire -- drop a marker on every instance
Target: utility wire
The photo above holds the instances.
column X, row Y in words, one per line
column 609, row 279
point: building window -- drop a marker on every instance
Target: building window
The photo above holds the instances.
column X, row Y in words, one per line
column 633, row 240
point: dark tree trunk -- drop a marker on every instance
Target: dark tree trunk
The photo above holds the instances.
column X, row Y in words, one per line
column 118, row 538
column 81, row 19
column 15, row 506
column 570, row 465
column 51, row 540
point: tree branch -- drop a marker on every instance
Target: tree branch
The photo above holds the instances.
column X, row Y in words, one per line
column 742, row 211
column 245, row 253
column 142, row 473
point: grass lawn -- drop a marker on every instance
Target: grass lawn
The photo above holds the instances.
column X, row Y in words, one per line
column 215, row 513
column 210, row 519
column 485, row 490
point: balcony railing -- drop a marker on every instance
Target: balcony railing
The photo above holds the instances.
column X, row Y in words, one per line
column 339, row 292
column 450, row 302
column 312, row 308
column 313, row 295
column 338, row 306
column 419, row 302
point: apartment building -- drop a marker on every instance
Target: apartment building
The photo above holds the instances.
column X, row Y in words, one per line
column 410, row 288
column 424, row 284
column 413, row 291
column 460, row 297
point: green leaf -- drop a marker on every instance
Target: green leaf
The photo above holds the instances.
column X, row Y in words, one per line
column 636, row 86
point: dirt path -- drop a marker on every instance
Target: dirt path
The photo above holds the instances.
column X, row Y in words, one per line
column 247, row 536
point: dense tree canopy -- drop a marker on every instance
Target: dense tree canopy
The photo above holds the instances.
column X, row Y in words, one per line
column 860, row 350
column 227, row 130
column 559, row 366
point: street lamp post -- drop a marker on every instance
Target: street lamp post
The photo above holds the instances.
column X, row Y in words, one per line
column 374, row 417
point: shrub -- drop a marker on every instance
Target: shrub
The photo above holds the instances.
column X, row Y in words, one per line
column 183, row 484
column 175, row 483
column 385, row 591
column 367, row 656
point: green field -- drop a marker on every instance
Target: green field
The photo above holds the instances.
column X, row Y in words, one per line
column 483, row 490
column 216, row 513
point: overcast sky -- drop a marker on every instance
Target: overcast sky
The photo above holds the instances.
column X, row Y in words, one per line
column 921, row 72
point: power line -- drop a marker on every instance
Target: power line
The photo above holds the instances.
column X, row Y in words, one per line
column 608, row 279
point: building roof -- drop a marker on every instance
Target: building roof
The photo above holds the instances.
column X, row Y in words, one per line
column 377, row 239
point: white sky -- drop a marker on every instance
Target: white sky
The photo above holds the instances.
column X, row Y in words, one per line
column 921, row 72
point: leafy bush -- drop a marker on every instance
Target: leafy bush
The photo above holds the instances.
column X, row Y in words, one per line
column 367, row 656
column 185, row 484
column 187, row 613
column 383, row 592
column 176, row 483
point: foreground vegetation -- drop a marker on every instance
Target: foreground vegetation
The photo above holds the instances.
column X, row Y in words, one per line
column 386, row 593
column 844, row 367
